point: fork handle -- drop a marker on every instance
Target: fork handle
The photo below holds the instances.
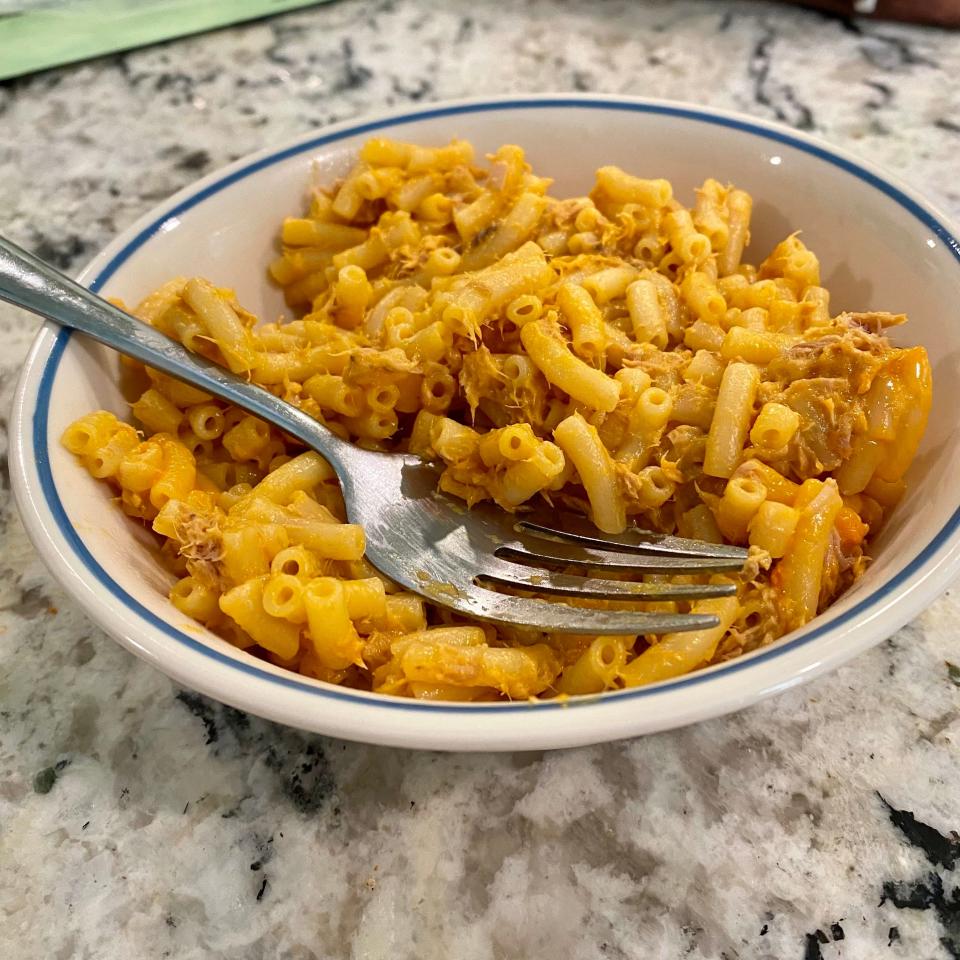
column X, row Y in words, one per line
column 28, row 282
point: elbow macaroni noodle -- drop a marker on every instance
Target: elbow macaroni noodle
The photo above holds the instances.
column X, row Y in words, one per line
column 608, row 353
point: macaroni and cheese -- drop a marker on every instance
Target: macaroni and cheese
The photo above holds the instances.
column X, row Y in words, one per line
column 612, row 354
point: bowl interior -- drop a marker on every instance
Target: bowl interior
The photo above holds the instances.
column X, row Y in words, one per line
column 875, row 254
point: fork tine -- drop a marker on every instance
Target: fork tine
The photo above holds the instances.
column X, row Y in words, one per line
column 563, row 618
column 579, row 530
column 561, row 584
column 550, row 553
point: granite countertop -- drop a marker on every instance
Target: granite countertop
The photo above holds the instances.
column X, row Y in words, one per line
column 141, row 820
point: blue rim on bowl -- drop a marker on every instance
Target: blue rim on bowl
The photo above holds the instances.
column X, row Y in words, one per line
column 244, row 169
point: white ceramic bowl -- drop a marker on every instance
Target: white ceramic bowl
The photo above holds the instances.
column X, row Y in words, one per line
column 881, row 246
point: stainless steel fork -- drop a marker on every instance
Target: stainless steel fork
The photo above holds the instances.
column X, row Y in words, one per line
column 422, row 539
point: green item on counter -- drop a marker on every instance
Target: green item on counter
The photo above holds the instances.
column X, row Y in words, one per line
column 39, row 36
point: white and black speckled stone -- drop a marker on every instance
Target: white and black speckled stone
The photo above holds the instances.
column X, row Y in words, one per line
column 139, row 821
